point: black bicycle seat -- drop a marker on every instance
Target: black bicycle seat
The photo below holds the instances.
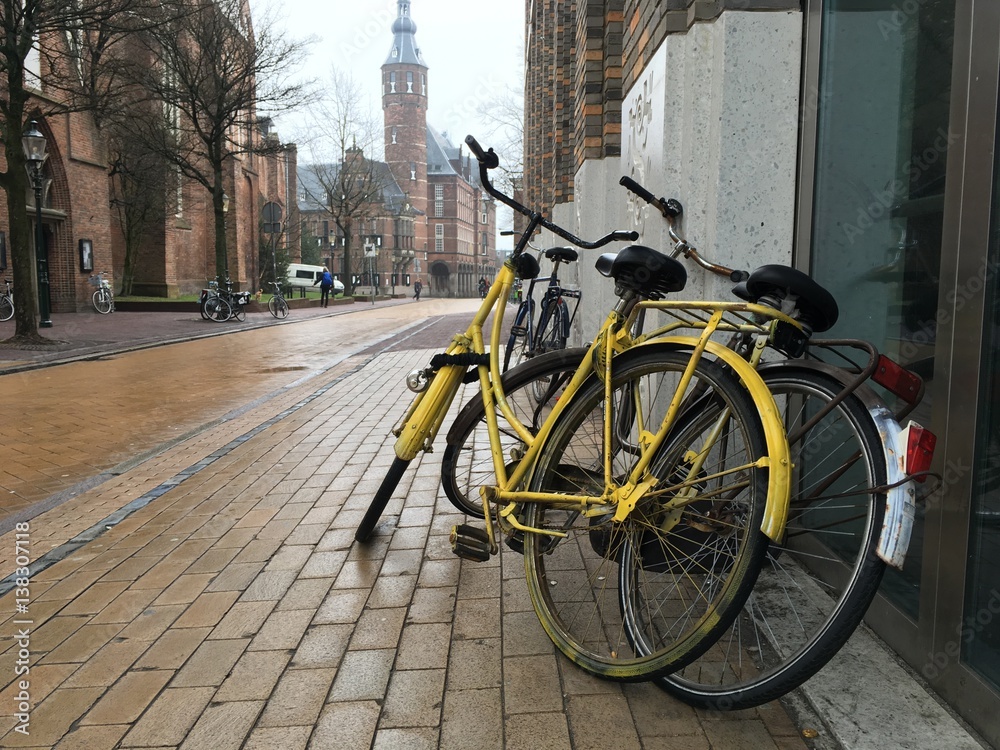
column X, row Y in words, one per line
column 526, row 266
column 564, row 254
column 817, row 306
column 643, row 270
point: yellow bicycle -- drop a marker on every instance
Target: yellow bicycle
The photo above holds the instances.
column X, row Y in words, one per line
column 642, row 535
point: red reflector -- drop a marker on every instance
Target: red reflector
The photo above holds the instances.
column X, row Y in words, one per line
column 897, row 380
column 919, row 449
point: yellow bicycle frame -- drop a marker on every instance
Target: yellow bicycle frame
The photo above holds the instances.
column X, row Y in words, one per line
column 425, row 416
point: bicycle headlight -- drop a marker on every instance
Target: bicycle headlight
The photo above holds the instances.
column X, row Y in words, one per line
column 417, row 381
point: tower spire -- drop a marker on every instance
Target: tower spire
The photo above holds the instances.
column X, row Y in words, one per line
column 404, row 46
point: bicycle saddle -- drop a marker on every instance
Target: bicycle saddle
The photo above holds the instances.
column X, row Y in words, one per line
column 643, row 270
column 817, row 306
column 564, row 254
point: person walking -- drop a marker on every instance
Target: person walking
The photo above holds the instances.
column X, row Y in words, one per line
column 417, row 288
column 484, row 286
column 325, row 285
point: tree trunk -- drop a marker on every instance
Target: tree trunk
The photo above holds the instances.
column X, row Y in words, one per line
column 348, row 276
column 221, row 255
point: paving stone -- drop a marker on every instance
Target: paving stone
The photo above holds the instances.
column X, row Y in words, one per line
column 95, row 598
column 323, row 565
column 108, row 664
column 322, row 647
column 523, row 635
column 735, row 735
column 392, row 592
column 285, row 738
column 378, row 628
column 597, row 722
column 475, row 664
column 305, row 594
column 151, row 624
column 434, row 605
column 210, row 664
column 223, row 726
column 208, row 609
column 243, row 619
column 185, row 589
column 283, row 630
column 414, row 699
column 169, row 718
column 93, row 737
column 656, row 714
column 173, row 648
column 424, row 646
column 363, row 675
column 289, row 558
column 236, row 576
column 213, row 561
column 472, row 718
column 531, row 685
column 83, row 644
column 128, row 698
column 254, row 676
column 540, row 731
column 52, row 718
column 342, row 606
column 477, row 618
column 406, row 739
column 298, row 698
column 345, row 725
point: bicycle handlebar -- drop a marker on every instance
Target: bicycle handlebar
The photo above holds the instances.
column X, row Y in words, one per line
column 672, row 211
column 489, row 160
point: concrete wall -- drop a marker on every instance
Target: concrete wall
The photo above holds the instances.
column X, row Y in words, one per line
column 712, row 121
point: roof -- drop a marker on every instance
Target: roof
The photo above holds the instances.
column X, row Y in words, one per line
column 312, row 194
column 404, row 44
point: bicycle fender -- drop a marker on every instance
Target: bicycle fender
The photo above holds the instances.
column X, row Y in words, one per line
column 900, row 501
column 418, row 432
column 515, row 377
column 779, row 475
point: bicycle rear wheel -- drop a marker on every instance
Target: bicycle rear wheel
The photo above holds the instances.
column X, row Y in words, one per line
column 637, row 599
column 278, row 307
column 552, row 336
column 6, row 307
column 239, row 312
column 815, row 587
column 467, row 462
column 519, row 344
column 103, row 301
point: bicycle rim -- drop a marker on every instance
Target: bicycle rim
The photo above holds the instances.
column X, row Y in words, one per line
column 814, row 589
column 277, row 307
column 102, row 301
column 550, row 339
column 519, row 345
column 240, row 313
column 218, row 309
column 6, row 308
column 637, row 599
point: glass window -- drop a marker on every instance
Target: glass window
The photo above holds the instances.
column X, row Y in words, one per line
column 882, row 144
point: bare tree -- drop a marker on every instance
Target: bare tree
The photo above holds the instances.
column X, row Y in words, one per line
column 350, row 182
column 504, row 117
column 45, row 50
column 215, row 77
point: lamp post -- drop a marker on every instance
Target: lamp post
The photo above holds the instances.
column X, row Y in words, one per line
column 35, row 155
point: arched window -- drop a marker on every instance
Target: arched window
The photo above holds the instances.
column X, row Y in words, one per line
column 423, row 84
column 393, row 133
column 392, row 81
column 409, row 82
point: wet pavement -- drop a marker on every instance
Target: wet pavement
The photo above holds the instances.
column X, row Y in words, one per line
column 194, row 578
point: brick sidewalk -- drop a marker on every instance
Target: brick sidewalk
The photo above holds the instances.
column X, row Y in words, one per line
column 231, row 608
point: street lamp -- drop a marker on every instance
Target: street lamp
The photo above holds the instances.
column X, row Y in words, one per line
column 35, row 155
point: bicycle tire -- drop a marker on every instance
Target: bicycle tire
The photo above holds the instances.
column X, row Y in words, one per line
column 551, row 337
column 103, row 301
column 278, row 307
column 218, row 309
column 795, row 622
column 381, row 499
column 467, row 461
column 6, row 308
column 519, row 344
column 239, row 312
column 706, row 553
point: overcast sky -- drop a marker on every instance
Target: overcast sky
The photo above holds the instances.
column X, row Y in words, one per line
column 472, row 49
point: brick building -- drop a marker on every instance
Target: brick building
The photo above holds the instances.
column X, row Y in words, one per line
column 453, row 220
column 177, row 256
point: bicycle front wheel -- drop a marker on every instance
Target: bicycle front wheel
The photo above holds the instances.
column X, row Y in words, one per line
column 6, row 308
column 637, row 599
column 218, row 309
column 278, row 307
column 103, row 301
column 815, row 587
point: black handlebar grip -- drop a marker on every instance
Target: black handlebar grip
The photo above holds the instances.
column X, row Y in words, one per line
column 623, row 235
column 488, row 158
column 629, row 184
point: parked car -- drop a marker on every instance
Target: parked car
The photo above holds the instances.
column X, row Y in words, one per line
column 303, row 275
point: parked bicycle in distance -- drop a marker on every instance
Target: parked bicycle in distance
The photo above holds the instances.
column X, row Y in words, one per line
column 528, row 338
column 277, row 305
column 104, row 297
column 212, row 306
column 7, row 302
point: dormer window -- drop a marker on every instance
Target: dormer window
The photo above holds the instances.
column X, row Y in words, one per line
column 395, row 51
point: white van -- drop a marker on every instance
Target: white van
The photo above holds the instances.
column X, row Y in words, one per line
column 302, row 275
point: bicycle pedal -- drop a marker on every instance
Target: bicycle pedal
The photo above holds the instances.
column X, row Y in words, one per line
column 470, row 542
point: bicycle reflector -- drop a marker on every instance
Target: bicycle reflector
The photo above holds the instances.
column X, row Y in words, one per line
column 897, row 380
column 919, row 449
